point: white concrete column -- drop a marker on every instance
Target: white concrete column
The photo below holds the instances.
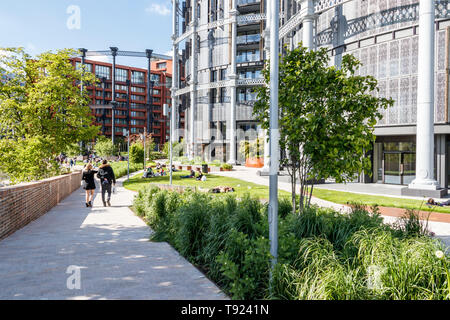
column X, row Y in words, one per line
column 233, row 78
column 425, row 100
column 308, row 24
column 193, row 82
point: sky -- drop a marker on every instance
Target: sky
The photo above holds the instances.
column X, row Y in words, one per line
column 49, row 25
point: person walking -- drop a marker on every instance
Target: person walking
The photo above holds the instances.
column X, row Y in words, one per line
column 107, row 180
column 89, row 184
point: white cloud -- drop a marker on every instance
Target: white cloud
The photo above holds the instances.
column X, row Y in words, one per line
column 160, row 9
column 105, row 59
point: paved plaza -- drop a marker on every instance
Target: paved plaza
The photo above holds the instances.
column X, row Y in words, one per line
column 110, row 247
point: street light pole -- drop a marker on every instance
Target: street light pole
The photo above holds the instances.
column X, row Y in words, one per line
column 128, row 170
column 172, row 109
column 145, row 150
column 274, row 132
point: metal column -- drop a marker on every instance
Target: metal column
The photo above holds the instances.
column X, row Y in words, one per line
column 193, row 80
column 274, row 132
column 233, row 77
column 113, row 84
column 149, row 92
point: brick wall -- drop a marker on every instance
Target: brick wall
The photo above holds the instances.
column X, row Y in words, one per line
column 22, row 204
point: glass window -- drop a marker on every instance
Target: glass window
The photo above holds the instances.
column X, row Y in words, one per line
column 138, row 89
column 162, row 65
column 121, row 75
column 138, row 77
column 88, row 66
column 103, row 72
column 155, row 77
column 138, row 98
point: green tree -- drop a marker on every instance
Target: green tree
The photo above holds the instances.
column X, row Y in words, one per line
column 327, row 118
column 74, row 150
column 137, row 153
column 42, row 112
column 104, row 147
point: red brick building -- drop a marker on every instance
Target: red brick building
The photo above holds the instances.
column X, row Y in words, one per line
column 132, row 81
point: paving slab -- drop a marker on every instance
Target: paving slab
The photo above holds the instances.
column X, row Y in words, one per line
column 110, row 249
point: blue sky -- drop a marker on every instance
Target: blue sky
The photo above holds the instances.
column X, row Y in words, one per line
column 43, row 25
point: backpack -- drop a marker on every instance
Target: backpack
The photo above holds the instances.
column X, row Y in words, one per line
column 104, row 176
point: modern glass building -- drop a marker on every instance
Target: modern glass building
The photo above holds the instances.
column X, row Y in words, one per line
column 224, row 44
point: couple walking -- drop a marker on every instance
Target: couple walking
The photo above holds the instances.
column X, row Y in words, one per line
column 107, row 180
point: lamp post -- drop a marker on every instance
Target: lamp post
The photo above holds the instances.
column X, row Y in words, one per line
column 167, row 111
column 274, row 132
column 143, row 137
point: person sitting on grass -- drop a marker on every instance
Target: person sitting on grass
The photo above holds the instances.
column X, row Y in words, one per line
column 191, row 176
column 431, row 202
column 148, row 173
column 200, row 175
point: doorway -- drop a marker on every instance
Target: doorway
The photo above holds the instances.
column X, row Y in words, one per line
column 399, row 167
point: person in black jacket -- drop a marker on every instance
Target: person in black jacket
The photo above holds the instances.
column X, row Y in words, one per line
column 89, row 184
column 107, row 180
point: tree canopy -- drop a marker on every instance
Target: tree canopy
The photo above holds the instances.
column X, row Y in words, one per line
column 42, row 111
column 327, row 116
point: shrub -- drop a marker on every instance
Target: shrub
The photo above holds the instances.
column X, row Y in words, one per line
column 322, row 254
column 193, row 222
column 227, row 166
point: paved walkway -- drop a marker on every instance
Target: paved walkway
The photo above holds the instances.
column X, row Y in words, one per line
column 110, row 246
column 441, row 229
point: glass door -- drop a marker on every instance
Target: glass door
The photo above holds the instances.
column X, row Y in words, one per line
column 409, row 168
column 399, row 168
column 393, row 168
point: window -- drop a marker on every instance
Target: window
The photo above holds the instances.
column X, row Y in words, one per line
column 169, row 82
column 136, row 114
column 138, row 89
column 162, row 65
column 138, row 98
column 121, row 87
column 121, row 95
column 88, row 66
column 138, row 77
column 156, row 92
column 103, row 72
column 155, row 77
column 121, row 75
column 213, row 75
column 223, row 74
column 212, row 95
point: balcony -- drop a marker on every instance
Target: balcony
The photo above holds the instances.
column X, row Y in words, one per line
column 248, row 39
column 246, row 57
column 245, row 6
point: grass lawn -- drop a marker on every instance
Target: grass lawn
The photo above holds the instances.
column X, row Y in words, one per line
column 241, row 187
column 137, row 183
column 344, row 197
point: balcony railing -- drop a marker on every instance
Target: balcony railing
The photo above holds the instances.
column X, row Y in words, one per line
column 248, row 39
column 248, row 58
column 247, row 2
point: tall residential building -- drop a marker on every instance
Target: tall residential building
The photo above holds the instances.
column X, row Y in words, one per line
column 224, row 45
column 132, row 88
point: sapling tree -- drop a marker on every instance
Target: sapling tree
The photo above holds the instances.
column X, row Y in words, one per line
column 327, row 118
